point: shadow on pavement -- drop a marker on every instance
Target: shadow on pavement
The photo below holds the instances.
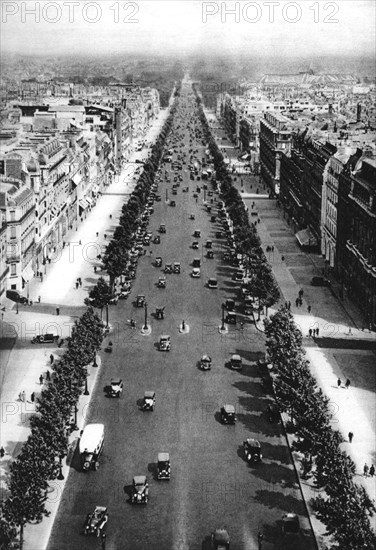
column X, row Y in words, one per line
column 276, row 499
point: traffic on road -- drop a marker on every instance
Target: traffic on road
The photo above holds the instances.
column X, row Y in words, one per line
column 193, row 433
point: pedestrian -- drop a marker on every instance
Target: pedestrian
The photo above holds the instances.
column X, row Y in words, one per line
column 300, row 302
column 310, row 332
column 63, row 244
column 2, row 452
column 372, row 470
column 350, row 436
column 297, row 302
column 51, row 359
column 151, row 252
column 103, row 537
column 260, row 538
column 317, row 331
column 309, row 309
column 79, row 242
column 80, row 281
column 24, row 396
column 32, row 397
column 76, row 284
column 57, row 311
column 339, row 382
column 38, row 299
column 20, row 396
column 241, row 325
column 105, row 236
column 347, row 384
column 97, row 233
column 301, row 292
column 110, row 216
column 48, row 375
column 365, row 470
column 282, row 258
column 41, row 379
column 95, row 269
column 289, row 305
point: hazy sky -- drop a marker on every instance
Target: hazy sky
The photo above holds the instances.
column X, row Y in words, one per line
column 110, row 26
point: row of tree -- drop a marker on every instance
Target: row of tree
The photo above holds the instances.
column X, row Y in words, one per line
column 39, row 461
column 343, row 506
column 134, row 212
column 261, row 281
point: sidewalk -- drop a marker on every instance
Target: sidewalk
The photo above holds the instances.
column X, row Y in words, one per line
column 353, row 409
column 22, row 363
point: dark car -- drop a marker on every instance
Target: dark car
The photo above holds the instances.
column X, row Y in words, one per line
column 16, row 297
column 220, row 540
column 96, row 521
column 228, row 415
column 252, row 450
column 163, row 466
column 115, row 388
column 157, row 239
column 320, row 281
column 45, row 339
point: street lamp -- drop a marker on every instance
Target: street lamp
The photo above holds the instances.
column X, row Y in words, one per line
column 86, row 392
column 146, row 316
column 223, row 318
column 60, row 476
column 75, row 427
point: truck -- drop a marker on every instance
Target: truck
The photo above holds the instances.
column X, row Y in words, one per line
column 91, row 445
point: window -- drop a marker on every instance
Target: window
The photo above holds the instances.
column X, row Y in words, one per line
column 13, row 270
column 12, row 215
column 13, row 232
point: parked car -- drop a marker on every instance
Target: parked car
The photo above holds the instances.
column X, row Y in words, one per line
column 140, row 490
column 236, row 362
column 45, row 339
column 196, row 262
column 165, row 343
column 252, row 450
column 209, row 244
column 229, row 304
column 197, row 234
column 162, row 228
column 231, row 318
column 290, row 525
column 157, row 239
column 115, row 389
column 158, row 261
column 212, row 283
column 228, row 415
column 149, row 401
column 159, row 312
column 196, row 272
column 168, row 268
column 163, row 466
column 195, row 245
column 96, row 521
column 320, row 281
column 140, row 300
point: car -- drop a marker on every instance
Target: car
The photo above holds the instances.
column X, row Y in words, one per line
column 213, row 219
column 47, row 338
column 209, row 244
column 162, row 282
column 210, row 254
column 220, row 540
column 115, row 389
column 162, row 228
column 114, row 299
column 236, row 362
column 196, row 272
column 229, row 304
column 238, row 275
column 140, row 300
column 212, row 283
column 290, row 525
column 172, row 203
column 165, row 343
column 157, row 239
column 228, row 415
column 96, row 521
column 16, row 297
column 158, row 261
column 123, row 294
column 320, row 281
column 197, row 234
column 176, row 267
column 140, row 490
column 159, row 312
column 195, row 245
column 252, row 450
column 163, row 466
column 148, row 402
column 205, row 362
column 231, row 318
column 158, row 198
column 168, row 268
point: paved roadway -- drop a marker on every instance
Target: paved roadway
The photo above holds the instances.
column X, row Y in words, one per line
column 211, row 483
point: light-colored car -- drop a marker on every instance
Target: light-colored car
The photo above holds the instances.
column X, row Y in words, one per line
column 196, row 272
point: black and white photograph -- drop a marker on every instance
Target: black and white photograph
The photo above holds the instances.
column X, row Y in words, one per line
column 188, row 275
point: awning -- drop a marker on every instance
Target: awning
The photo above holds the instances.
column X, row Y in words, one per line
column 89, row 200
column 306, row 238
column 83, row 204
column 27, row 274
